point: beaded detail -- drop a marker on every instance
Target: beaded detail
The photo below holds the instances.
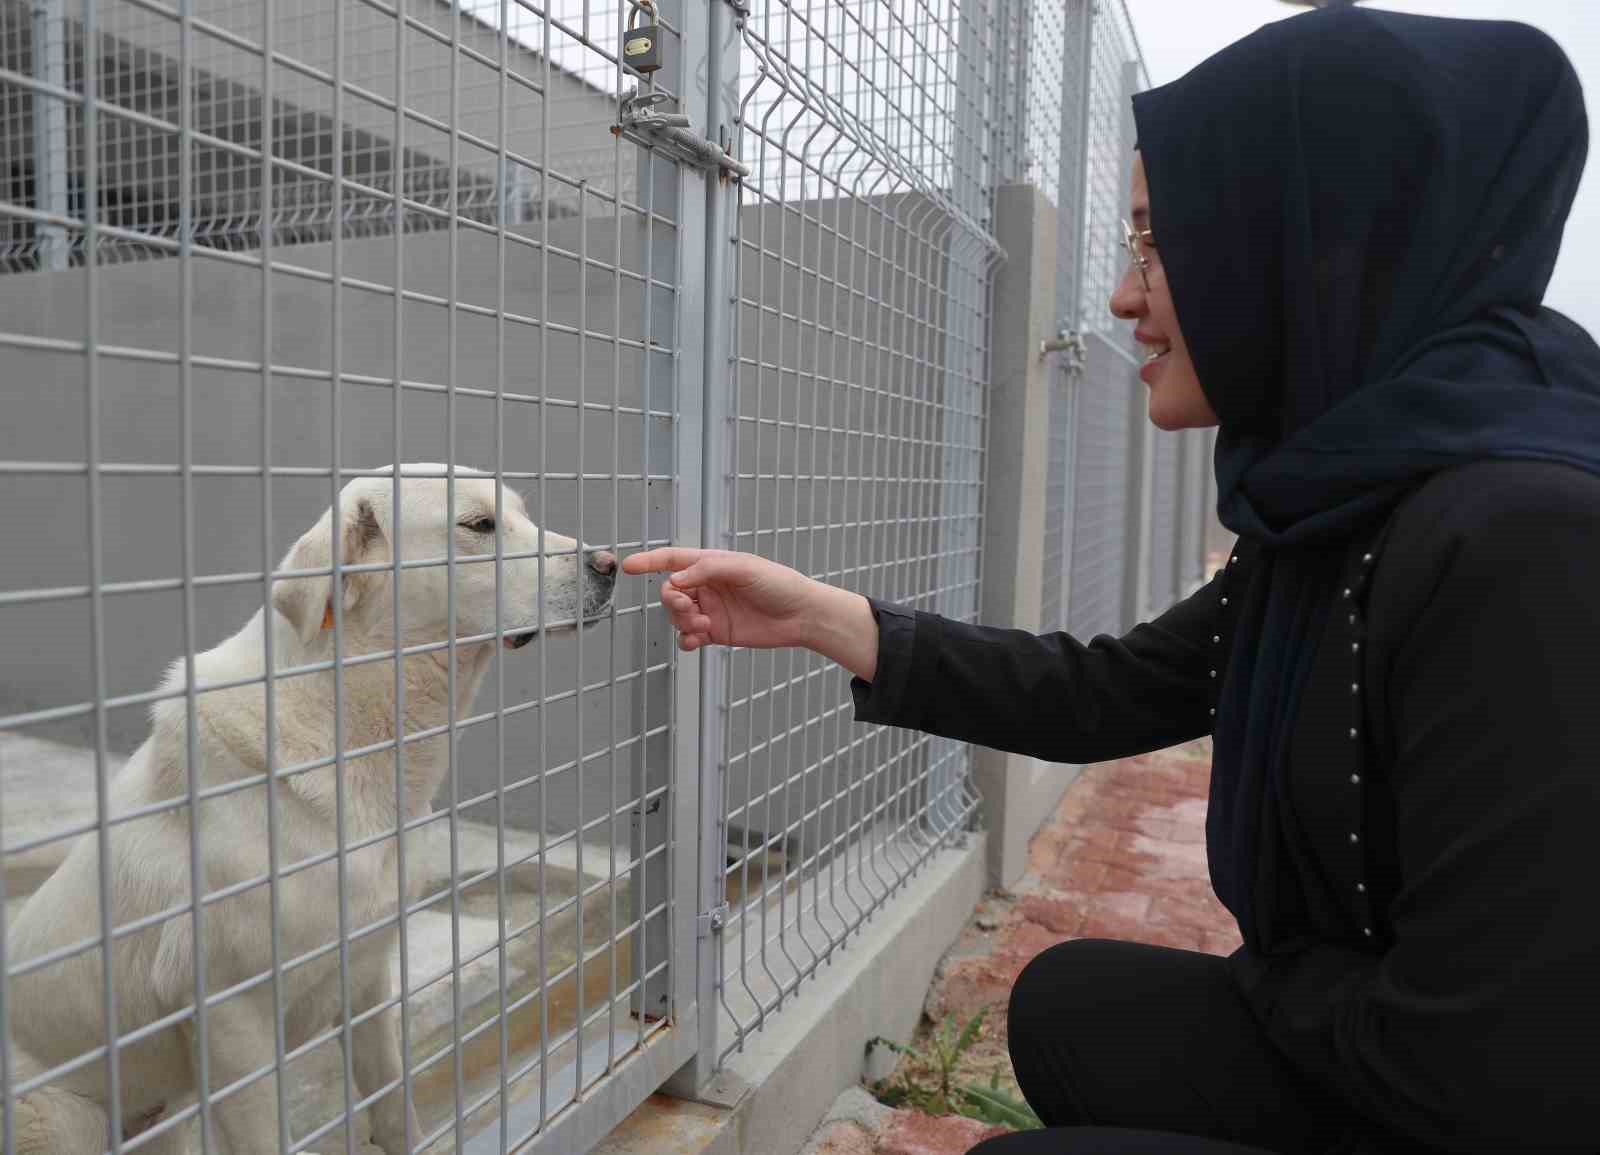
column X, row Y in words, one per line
column 1357, row 585
column 1352, row 595
column 1227, row 578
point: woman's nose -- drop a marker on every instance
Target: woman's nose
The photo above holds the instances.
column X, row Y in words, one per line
column 1127, row 299
column 602, row 561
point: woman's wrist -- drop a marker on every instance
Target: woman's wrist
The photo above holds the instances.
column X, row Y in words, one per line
column 842, row 629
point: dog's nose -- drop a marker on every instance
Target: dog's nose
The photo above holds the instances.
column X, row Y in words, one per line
column 602, row 561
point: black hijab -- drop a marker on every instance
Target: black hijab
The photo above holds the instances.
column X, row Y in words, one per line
column 1358, row 213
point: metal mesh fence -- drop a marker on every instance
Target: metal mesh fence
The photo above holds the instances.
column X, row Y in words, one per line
column 1101, row 484
column 856, row 453
column 1195, row 510
column 138, row 141
column 1166, row 512
column 1057, row 544
column 404, row 846
column 1102, row 67
column 379, row 873
column 1116, row 70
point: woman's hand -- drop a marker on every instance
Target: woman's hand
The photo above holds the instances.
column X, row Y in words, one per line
column 721, row 597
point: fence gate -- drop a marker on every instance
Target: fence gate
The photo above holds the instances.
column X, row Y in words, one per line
column 254, row 251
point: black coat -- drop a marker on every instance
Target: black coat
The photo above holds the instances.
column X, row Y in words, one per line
column 1443, row 772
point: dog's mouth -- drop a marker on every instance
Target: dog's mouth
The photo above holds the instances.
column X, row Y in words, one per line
column 591, row 618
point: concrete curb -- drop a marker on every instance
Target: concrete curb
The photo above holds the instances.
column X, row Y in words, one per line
column 769, row 1098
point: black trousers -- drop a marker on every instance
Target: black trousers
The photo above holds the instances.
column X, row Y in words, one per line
column 1126, row 1049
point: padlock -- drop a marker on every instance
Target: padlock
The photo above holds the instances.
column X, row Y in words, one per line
column 641, row 46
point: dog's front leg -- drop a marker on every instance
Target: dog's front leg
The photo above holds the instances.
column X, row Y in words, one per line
column 240, row 1041
column 377, row 1063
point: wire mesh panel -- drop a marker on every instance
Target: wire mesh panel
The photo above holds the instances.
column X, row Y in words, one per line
column 138, row 181
column 1107, row 154
column 384, row 848
column 1057, row 545
column 1100, row 492
column 1102, row 68
column 860, row 264
column 1196, row 468
column 1165, row 517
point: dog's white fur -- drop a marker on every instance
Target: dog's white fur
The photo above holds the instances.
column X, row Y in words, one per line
column 57, row 1012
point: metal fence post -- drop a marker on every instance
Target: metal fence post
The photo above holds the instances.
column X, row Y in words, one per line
column 698, row 931
column 664, row 836
column 1077, row 64
column 49, row 44
column 1074, row 181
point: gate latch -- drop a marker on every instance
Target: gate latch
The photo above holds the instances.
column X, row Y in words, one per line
column 638, row 116
column 712, row 921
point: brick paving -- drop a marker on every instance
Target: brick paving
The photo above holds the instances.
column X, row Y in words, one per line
column 1123, row 857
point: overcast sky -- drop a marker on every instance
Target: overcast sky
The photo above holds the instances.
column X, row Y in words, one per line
column 1178, row 34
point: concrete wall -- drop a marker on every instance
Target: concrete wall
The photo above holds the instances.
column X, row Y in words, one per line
column 45, row 662
column 831, row 381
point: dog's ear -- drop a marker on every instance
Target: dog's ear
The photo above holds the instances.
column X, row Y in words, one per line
column 307, row 601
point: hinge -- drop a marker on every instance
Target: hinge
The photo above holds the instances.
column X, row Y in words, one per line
column 637, row 115
column 712, row 921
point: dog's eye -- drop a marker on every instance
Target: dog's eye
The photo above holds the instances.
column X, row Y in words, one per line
column 480, row 525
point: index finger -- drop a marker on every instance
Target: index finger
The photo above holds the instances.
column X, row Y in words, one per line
column 667, row 558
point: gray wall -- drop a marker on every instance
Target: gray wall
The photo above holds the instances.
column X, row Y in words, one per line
column 858, row 393
column 45, row 661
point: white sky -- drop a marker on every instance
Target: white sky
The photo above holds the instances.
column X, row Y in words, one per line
column 1178, row 34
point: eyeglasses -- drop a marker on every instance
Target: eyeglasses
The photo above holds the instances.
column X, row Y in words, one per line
column 1134, row 241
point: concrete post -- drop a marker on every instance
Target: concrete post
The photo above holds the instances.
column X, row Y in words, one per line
column 1018, row 792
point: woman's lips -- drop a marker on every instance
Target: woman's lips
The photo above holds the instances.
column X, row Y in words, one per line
column 1148, row 370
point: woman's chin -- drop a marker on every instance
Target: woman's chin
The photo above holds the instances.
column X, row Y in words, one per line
column 1176, row 402
column 1164, row 416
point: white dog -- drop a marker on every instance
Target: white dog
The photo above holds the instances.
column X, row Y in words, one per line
column 57, row 1011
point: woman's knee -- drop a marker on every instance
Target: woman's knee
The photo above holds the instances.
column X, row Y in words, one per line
column 1058, row 983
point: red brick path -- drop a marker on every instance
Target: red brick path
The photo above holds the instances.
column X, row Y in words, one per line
column 1122, row 857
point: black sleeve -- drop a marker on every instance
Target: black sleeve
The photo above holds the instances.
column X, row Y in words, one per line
column 1475, row 1030
column 1047, row 695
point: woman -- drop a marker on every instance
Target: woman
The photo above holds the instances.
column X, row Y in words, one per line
column 1354, row 214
